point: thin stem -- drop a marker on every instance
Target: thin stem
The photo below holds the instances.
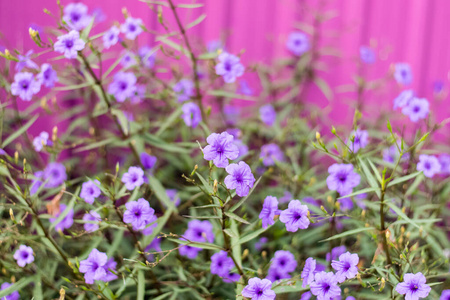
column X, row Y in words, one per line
column 383, row 227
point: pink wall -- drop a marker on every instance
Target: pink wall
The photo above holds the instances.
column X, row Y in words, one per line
column 413, row 31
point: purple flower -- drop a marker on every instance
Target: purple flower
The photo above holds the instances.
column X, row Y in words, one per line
column 173, row 196
column 429, row 164
column 444, row 296
column 123, row 86
column 139, row 214
column 229, row 67
column 444, row 160
column 192, row 115
column 283, row 261
column 69, row 44
column 128, row 59
column 306, row 296
column 147, row 160
column 259, row 289
column 184, row 89
column 298, row 43
column 13, row 296
column 287, row 196
column 98, row 14
column 220, row 149
column 40, row 141
column 358, row 140
column 275, row 274
column 231, row 277
column 403, row 73
column 214, row 46
column 270, row 208
column 392, row 154
column 111, row 37
column 25, row 86
column 200, row 231
column 24, row 255
column 417, row 109
column 240, row 178
column 413, row 286
column 54, row 174
column 245, row 89
column 139, row 94
column 189, row 251
column 96, row 267
column 47, row 76
column 438, row 86
column 271, row 153
column 260, row 244
column 325, row 286
column 267, row 114
column 221, row 264
column 3, row 152
column 90, row 191
column 154, row 245
column 26, row 62
column 36, row 183
column 91, row 216
column 346, row 203
column 133, row 178
column 367, row 55
column 295, row 216
column 242, row 148
column 335, row 253
column 342, row 178
column 66, row 222
column 308, row 272
column 147, row 56
column 75, row 15
column 132, row 28
column 403, row 99
column 346, row 267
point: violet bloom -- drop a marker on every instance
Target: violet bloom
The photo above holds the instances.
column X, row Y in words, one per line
column 128, row 59
column 221, row 264
column 297, row 43
column 25, row 86
column 287, row 196
column 133, row 178
column 295, row 216
column 367, row 55
column 240, row 178
column 200, row 231
column 13, row 296
column 192, row 115
column 359, row 139
column 308, row 272
column 335, row 253
column 270, row 208
column 242, row 148
column 69, row 44
column 444, row 296
column 123, row 86
column 66, row 222
column 342, row 178
column 184, row 90
column 24, row 255
column 346, row 203
column 306, row 296
column 92, row 216
column 403, row 73
column 267, row 114
column 131, row 28
column 111, row 37
column 392, row 154
column 54, row 174
column 47, row 76
column 189, row 251
column 3, row 152
column 138, row 214
column 260, row 244
column 96, row 267
column 173, row 197
column 283, row 261
column 75, row 15
column 155, row 245
column 444, row 160
column 147, row 160
column 26, row 62
column 413, row 286
column 90, row 191
column 325, row 286
column 220, row 149
column 429, row 164
column 346, row 267
column 244, row 88
column 403, row 99
column 417, row 109
column 229, row 67
column 275, row 274
column 259, row 289
column 147, row 56
column 139, row 94
column 270, row 154
column 40, row 141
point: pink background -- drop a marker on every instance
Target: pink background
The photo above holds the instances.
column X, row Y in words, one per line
column 412, row 31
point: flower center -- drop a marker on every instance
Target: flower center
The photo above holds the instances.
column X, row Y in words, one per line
column 346, row 266
column 75, row 17
column 123, row 85
column 132, row 27
column 326, row 287
column 24, row 84
column 25, row 255
column 228, row 66
column 298, row 42
column 427, row 165
column 404, row 73
column 342, row 177
column 414, row 287
column 416, row 109
column 259, row 292
column 137, row 213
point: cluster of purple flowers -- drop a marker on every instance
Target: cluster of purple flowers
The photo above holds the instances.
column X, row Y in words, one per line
column 367, row 55
column 403, row 74
column 93, row 218
column 240, row 178
column 123, row 86
column 392, row 153
column 221, row 265
column 413, row 107
column 198, row 231
column 54, row 175
column 184, row 90
column 98, row 267
column 139, row 214
column 267, row 114
column 40, row 141
column 69, row 44
column 13, row 296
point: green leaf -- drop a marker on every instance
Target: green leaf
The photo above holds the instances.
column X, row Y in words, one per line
column 366, row 190
column 324, row 87
column 237, row 205
column 404, row 178
column 19, row 132
column 196, row 21
column 347, row 233
column 169, row 121
column 236, row 217
column 19, row 285
column 160, row 192
column 230, row 233
column 414, row 185
column 225, row 94
column 140, row 285
column 207, row 246
column 400, row 213
column 122, row 119
column 161, row 222
column 72, row 87
column 87, row 30
column 370, row 179
column 289, row 286
column 252, row 235
column 96, row 145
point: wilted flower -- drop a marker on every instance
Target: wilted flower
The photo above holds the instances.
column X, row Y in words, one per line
column 413, row 286
column 24, row 255
column 69, row 44
column 295, row 216
column 298, row 43
column 259, row 289
column 131, row 28
column 346, row 267
column 192, row 115
column 66, row 222
column 96, row 267
column 54, row 174
column 123, row 86
column 240, row 178
column 111, row 37
column 25, row 86
column 229, row 67
column 403, row 73
column 367, row 55
column 429, row 165
column 26, row 62
column 220, row 149
column 270, row 154
column 47, row 76
column 308, row 272
column 270, row 208
column 184, row 90
column 359, row 139
column 147, row 56
column 13, row 296
column 90, row 191
column 324, row 286
column 342, row 178
column 267, row 114
column 403, row 99
column 40, row 141
column 417, row 109
column 75, row 15
column 91, row 216
column 133, row 178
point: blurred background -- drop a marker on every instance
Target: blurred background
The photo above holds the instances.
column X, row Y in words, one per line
column 410, row 31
